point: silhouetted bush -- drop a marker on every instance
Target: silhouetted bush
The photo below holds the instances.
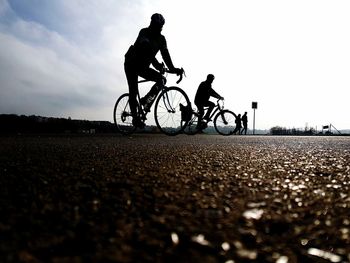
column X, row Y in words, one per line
column 277, row 130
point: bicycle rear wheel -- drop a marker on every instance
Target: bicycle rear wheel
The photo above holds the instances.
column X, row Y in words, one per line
column 224, row 122
column 167, row 110
column 192, row 126
column 122, row 115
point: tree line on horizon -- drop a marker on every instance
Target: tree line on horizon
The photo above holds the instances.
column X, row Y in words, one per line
column 11, row 123
column 277, row 130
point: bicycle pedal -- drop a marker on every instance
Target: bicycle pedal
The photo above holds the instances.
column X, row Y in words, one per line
column 139, row 124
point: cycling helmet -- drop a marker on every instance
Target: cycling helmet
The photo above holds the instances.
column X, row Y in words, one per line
column 157, row 19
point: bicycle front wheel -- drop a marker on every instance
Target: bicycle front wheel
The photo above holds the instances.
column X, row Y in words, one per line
column 167, row 110
column 122, row 115
column 224, row 122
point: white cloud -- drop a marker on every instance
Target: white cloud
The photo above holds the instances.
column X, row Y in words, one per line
column 47, row 73
column 39, row 77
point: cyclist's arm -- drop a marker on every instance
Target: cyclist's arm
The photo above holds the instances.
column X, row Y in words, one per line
column 214, row 94
column 156, row 64
column 167, row 59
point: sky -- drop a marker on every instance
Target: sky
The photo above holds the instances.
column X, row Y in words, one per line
column 64, row 58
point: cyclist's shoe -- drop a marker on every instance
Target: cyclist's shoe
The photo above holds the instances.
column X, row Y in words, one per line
column 143, row 100
column 147, row 107
column 145, row 104
column 138, row 123
column 202, row 126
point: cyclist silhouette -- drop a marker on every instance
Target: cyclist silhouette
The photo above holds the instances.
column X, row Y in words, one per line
column 138, row 59
column 204, row 92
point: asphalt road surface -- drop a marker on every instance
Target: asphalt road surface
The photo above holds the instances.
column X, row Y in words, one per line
column 153, row 198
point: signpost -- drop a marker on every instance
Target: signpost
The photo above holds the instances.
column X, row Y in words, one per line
column 254, row 106
column 329, row 127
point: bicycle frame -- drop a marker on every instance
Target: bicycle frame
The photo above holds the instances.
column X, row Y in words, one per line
column 216, row 109
column 161, row 91
column 223, row 120
column 140, row 109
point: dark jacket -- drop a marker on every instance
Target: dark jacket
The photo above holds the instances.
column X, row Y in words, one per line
column 204, row 92
column 145, row 49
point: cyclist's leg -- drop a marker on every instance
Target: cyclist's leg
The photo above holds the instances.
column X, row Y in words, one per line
column 152, row 75
column 131, row 76
column 211, row 106
column 200, row 108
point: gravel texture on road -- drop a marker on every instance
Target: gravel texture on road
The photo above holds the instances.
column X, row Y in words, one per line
column 153, row 198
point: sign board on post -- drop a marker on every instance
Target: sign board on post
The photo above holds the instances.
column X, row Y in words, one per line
column 254, row 106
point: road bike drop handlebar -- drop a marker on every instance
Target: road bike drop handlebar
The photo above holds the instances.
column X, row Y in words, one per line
column 169, row 71
column 181, row 75
column 162, row 71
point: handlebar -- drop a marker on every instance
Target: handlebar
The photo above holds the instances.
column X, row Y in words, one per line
column 181, row 75
column 217, row 102
column 171, row 72
column 166, row 70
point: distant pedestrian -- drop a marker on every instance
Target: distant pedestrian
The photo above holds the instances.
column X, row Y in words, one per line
column 245, row 123
column 238, row 122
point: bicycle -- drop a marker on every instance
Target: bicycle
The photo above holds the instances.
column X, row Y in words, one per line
column 224, row 120
column 169, row 103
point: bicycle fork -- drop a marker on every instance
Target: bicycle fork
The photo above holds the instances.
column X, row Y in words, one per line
column 223, row 118
column 167, row 103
